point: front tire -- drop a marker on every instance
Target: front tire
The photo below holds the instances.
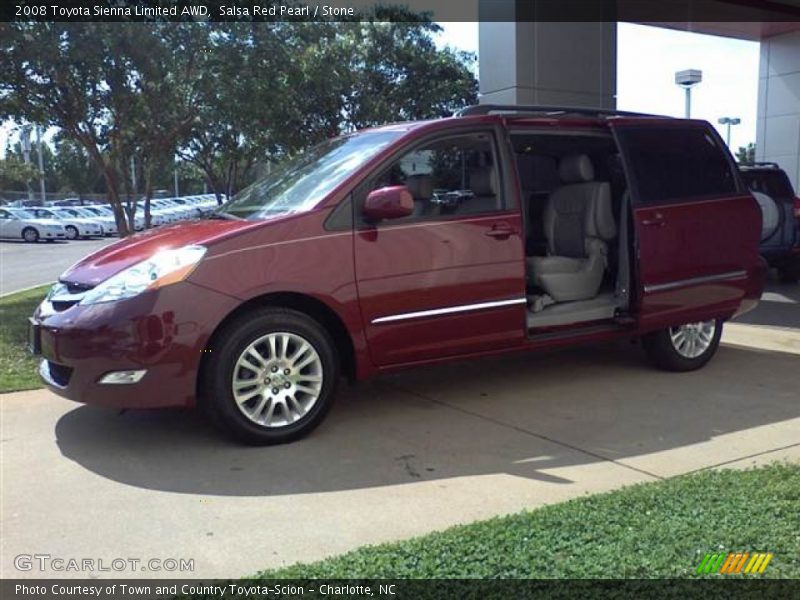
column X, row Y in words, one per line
column 270, row 377
column 72, row 232
column 685, row 347
column 30, row 235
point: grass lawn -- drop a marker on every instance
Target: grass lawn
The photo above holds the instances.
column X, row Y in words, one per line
column 661, row 529
column 17, row 366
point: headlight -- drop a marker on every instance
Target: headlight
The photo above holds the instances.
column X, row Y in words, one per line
column 163, row 268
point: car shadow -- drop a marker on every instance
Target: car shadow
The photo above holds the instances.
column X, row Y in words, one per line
column 23, row 242
column 524, row 415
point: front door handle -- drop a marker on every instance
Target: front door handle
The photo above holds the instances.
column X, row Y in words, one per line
column 657, row 220
column 500, row 232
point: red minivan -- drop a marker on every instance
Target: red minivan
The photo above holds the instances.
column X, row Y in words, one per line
column 501, row 229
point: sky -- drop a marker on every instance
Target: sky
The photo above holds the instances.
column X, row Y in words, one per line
column 647, row 58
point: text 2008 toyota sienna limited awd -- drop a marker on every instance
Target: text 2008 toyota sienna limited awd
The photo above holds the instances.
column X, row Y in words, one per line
column 501, row 229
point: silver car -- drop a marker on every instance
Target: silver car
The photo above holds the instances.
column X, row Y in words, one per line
column 75, row 226
column 16, row 224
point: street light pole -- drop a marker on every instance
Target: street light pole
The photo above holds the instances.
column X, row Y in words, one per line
column 42, row 187
column 729, row 121
column 687, row 80
column 25, row 141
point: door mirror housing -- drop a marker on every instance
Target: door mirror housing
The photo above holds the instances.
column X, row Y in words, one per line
column 392, row 202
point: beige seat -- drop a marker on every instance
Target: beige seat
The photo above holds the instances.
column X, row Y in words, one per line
column 578, row 223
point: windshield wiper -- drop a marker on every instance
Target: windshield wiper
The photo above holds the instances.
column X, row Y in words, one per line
column 223, row 216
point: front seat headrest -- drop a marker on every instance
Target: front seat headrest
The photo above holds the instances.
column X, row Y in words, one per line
column 420, row 186
column 576, row 168
column 481, row 181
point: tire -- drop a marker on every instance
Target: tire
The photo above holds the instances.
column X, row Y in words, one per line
column 72, row 232
column 29, row 234
column 790, row 272
column 668, row 351
column 275, row 416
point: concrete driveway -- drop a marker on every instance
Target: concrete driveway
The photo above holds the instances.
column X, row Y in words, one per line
column 397, row 457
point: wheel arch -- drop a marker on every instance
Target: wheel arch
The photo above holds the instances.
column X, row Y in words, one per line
column 313, row 307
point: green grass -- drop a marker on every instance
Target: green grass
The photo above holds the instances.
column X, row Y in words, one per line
column 661, row 529
column 17, row 366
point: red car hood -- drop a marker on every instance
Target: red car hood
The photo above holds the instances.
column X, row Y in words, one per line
column 107, row 261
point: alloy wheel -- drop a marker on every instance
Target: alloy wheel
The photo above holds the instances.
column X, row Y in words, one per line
column 693, row 339
column 277, row 379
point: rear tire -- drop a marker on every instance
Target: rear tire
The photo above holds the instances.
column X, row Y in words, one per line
column 29, row 234
column 270, row 376
column 790, row 272
column 684, row 348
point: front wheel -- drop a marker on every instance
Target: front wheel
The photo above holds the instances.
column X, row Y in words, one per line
column 72, row 232
column 270, row 376
column 29, row 234
column 685, row 347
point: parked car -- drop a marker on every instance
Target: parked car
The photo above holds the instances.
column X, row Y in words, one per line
column 502, row 229
column 17, row 223
column 105, row 219
column 75, row 223
column 780, row 206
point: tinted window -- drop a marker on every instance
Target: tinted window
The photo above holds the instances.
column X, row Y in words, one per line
column 453, row 176
column 772, row 183
column 669, row 163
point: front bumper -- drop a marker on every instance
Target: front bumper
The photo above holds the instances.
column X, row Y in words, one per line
column 164, row 332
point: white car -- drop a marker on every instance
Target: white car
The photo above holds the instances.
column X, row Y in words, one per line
column 75, row 226
column 16, row 224
column 107, row 220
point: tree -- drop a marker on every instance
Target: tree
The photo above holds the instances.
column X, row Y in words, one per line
column 76, row 171
column 106, row 86
column 746, row 155
column 222, row 96
column 15, row 174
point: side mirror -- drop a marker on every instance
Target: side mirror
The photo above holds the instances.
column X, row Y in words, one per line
column 392, row 202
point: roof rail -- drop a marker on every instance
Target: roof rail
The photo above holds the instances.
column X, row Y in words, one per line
column 485, row 109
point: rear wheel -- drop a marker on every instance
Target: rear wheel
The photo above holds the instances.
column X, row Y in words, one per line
column 685, row 347
column 29, row 234
column 271, row 376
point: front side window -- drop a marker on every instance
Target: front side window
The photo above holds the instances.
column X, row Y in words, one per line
column 303, row 182
column 454, row 176
column 671, row 163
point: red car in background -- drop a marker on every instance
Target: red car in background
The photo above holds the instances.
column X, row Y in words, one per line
column 501, row 229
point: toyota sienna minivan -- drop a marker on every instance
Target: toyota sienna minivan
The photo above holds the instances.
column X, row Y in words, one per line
column 503, row 228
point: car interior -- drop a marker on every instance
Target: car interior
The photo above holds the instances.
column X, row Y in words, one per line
column 576, row 206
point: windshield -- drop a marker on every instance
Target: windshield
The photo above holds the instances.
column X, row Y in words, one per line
column 301, row 183
column 85, row 212
column 22, row 214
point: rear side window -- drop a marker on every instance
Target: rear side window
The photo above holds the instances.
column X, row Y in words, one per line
column 675, row 164
column 772, row 183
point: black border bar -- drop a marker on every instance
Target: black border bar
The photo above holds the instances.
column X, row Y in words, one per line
column 637, row 11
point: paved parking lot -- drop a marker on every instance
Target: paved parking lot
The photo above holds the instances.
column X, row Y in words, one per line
column 397, row 457
column 24, row 265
